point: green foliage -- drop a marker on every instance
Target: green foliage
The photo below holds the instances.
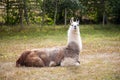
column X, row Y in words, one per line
column 114, row 10
column 35, row 10
column 70, row 4
column 12, row 15
column 49, row 21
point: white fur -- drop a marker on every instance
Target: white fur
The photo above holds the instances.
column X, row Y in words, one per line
column 69, row 62
column 74, row 34
column 52, row 63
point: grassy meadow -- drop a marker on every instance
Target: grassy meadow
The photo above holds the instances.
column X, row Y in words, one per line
column 100, row 57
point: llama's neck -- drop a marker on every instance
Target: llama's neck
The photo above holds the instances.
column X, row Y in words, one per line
column 75, row 37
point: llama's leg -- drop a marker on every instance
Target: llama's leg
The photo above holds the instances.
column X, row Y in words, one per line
column 69, row 62
column 52, row 63
column 77, row 64
column 35, row 62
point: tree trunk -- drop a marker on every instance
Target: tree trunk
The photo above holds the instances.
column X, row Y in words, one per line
column 43, row 13
column 103, row 19
column 21, row 19
column 25, row 12
column 65, row 16
column 7, row 11
column 21, row 15
column 55, row 15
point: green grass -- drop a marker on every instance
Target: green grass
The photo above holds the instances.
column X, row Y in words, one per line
column 100, row 57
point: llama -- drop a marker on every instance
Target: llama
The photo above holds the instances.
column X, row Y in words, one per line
column 50, row 57
column 74, row 40
column 58, row 56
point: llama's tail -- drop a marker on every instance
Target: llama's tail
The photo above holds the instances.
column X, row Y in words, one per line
column 20, row 61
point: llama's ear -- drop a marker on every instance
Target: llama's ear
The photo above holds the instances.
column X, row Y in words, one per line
column 71, row 20
column 77, row 21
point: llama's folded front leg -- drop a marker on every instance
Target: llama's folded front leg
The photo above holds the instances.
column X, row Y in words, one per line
column 69, row 62
column 77, row 63
column 35, row 61
column 52, row 64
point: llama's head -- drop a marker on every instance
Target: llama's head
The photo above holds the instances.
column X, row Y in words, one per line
column 74, row 25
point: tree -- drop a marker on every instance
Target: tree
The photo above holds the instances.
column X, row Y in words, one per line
column 25, row 11
column 72, row 5
column 56, row 9
column 113, row 8
column 21, row 14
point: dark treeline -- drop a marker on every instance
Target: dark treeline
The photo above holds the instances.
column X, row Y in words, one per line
column 59, row 11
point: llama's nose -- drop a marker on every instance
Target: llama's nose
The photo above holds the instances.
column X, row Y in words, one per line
column 74, row 27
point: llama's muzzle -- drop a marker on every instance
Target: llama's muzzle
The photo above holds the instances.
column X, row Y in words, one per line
column 74, row 27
